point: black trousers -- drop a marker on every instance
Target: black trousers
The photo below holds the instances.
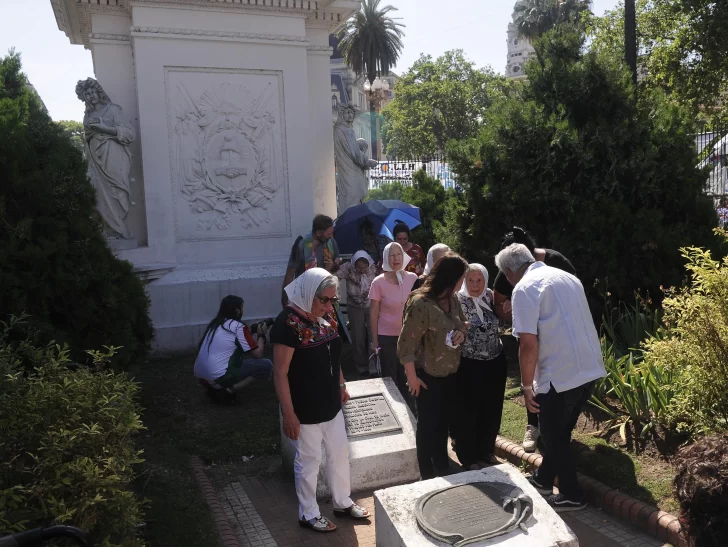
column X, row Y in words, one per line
column 481, row 386
column 558, row 413
column 392, row 367
column 532, row 418
column 434, row 412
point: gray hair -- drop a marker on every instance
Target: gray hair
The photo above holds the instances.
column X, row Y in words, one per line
column 513, row 258
column 327, row 283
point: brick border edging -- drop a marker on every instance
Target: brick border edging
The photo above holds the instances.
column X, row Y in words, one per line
column 650, row 519
column 225, row 533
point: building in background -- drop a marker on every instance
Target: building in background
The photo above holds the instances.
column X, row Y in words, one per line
column 519, row 51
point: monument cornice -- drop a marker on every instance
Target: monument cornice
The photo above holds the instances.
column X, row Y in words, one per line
column 163, row 32
column 73, row 16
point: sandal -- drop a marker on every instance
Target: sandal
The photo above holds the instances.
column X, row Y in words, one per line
column 355, row 512
column 318, row 524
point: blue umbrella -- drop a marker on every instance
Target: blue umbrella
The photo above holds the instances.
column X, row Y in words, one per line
column 383, row 214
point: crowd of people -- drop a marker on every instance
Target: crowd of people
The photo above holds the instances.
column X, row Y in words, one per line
column 431, row 324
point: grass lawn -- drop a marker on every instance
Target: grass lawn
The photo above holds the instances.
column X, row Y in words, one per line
column 180, row 422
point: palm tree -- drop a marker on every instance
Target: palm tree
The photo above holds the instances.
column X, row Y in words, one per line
column 371, row 41
column 533, row 18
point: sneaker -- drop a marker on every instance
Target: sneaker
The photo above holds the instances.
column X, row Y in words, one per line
column 530, row 438
column 540, row 488
column 561, row 504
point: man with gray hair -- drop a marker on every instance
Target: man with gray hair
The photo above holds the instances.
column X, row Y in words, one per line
column 560, row 358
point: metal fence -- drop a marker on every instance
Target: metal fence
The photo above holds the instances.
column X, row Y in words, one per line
column 402, row 171
column 712, row 146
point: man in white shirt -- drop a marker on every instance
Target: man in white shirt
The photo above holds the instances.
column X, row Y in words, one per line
column 560, row 358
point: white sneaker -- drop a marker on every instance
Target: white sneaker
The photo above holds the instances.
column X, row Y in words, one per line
column 530, row 439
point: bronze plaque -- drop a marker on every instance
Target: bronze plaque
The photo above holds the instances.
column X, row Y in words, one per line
column 369, row 415
column 468, row 513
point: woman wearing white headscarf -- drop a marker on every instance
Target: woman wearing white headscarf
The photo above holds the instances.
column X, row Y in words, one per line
column 481, row 377
column 388, row 295
column 436, row 252
column 311, row 389
column 359, row 274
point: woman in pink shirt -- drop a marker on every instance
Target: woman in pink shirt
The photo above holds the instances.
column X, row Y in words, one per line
column 388, row 295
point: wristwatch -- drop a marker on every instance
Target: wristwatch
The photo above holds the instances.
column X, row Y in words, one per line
column 342, row 386
column 527, row 387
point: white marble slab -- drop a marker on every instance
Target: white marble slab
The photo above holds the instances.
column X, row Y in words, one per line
column 397, row 525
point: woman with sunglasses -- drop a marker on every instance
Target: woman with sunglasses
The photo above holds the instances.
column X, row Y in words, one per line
column 311, row 389
column 388, row 294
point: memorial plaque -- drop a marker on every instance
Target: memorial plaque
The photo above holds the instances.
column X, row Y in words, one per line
column 368, row 415
column 467, row 513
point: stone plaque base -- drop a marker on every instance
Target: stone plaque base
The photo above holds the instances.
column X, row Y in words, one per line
column 397, row 526
column 378, row 458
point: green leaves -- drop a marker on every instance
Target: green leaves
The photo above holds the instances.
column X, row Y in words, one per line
column 436, row 101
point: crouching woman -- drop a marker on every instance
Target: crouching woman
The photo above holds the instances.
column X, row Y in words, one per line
column 310, row 388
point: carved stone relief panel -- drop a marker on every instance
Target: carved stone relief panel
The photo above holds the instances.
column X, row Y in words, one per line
column 227, row 147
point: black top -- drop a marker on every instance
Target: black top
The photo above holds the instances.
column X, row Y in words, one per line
column 418, row 283
column 313, row 375
column 552, row 258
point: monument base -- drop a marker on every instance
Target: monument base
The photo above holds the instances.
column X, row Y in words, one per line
column 379, row 459
column 397, row 524
column 185, row 300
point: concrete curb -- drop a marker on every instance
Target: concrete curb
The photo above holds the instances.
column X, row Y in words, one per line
column 647, row 518
column 227, row 536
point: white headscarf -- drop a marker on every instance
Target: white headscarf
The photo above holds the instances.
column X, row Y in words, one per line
column 362, row 279
column 302, row 290
column 431, row 258
column 478, row 299
column 385, row 261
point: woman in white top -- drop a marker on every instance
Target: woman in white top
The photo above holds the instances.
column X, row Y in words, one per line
column 220, row 364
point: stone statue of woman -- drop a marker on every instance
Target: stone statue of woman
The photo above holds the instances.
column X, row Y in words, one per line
column 107, row 139
column 352, row 161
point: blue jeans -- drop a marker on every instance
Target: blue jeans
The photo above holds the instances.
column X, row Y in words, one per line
column 261, row 369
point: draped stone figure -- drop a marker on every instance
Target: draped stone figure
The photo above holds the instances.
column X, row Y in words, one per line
column 107, row 139
column 352, row 161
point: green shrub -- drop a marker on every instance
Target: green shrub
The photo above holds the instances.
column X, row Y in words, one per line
column 627, row 326
column 54, row 261
column 66, row 443
column 610, row 182
column 694, row 345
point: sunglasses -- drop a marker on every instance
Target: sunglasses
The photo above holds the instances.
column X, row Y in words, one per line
column 326, row 299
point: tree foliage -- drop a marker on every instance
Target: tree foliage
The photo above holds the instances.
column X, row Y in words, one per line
column 74, row 130
column 683, row 49
column 438, row 100
column 533, row 18
column 371, row 41
column 54, row 261
column 607, row 181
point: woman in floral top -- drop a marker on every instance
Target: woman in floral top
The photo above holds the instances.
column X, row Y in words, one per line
column 481, row 378
column 429, row 347
column 415, row 252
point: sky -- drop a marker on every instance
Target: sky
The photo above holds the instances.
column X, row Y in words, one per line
column 54, row 66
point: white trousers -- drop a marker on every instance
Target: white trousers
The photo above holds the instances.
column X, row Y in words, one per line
column 308, row 460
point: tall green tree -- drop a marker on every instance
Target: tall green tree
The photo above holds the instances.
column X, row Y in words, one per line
column 55, row 263
column 371, row 40
column 438, row 100
column 533, row 18
column 75, row 132
column 610, row 182
column 683, row 47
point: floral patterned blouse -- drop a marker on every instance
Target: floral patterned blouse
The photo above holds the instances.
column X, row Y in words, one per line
column 483, row 342
column 419, row 258
column 423, row 335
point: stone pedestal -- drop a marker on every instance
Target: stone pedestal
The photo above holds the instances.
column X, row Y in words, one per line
column 397, row 525
column 379, row 459
column 234, row 154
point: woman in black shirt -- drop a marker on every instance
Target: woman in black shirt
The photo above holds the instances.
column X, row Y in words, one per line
column 502, row 291
column 310, row 388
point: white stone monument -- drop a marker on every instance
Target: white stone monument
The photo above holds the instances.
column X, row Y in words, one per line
column 352, row 161
column 397, row 525
column 230, row 105
column 381, row 431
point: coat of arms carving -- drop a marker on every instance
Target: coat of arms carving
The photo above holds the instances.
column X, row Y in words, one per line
column 224, row 155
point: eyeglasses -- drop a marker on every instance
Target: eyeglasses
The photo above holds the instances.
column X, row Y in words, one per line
column 326, row 299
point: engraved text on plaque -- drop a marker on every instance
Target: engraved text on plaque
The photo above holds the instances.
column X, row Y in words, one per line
column 368, row 415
